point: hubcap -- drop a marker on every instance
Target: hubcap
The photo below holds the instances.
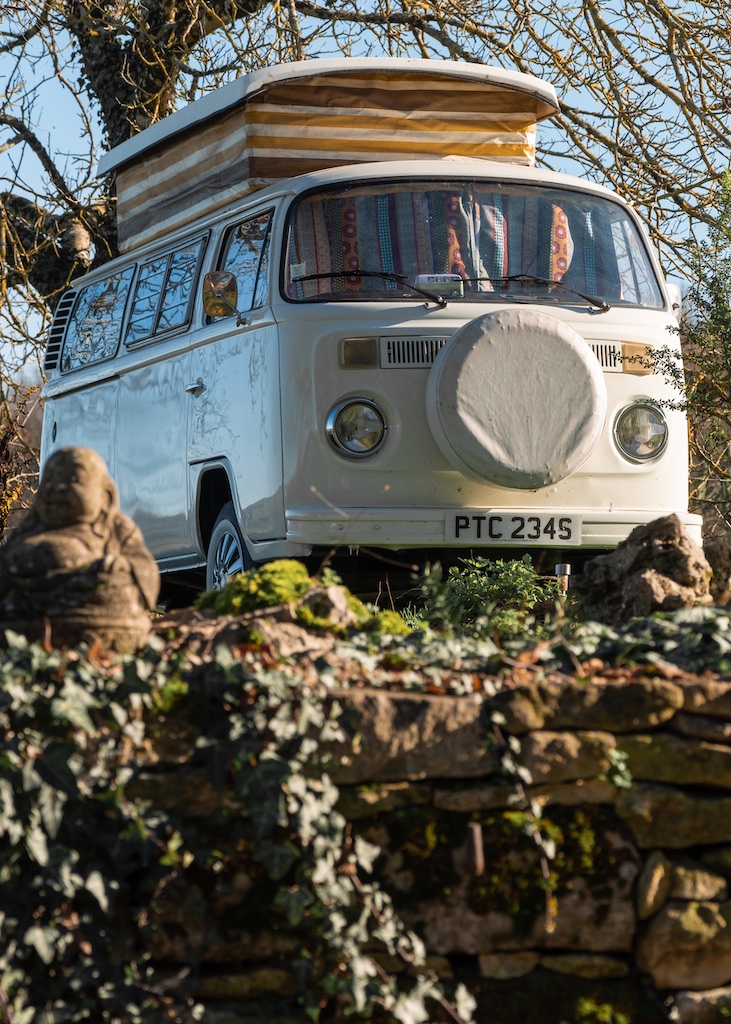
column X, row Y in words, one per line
column 228, row 561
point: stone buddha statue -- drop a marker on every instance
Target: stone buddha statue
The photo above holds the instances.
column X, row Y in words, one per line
column 77, row 569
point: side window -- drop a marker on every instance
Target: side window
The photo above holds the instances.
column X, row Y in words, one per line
column 637, row 282
column 95, row 325
column 164, row 292
column 246, row 256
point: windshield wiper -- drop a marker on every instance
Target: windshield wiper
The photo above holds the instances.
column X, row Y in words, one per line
column 384, row 275
column 593, row 300
column 601, row 304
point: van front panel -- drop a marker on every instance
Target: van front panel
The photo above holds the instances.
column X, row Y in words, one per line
column 382, row 278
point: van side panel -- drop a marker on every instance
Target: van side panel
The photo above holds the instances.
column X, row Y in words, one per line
column 150, row 456
column 81, row 416
column 235, row 416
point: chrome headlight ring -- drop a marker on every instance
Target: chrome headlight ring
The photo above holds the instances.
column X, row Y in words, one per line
column 641, row 432
column 356, row 427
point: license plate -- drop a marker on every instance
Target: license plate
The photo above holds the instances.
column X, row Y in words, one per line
column 473, row 526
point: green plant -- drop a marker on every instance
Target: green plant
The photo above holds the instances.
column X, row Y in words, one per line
column 589, row 1011
column 618, row 772
column 704, row 384
column 485, row 598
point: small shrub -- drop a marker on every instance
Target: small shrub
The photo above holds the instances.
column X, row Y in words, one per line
column 483, row 597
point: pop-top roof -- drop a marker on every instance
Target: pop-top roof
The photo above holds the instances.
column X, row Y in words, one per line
column 293, row 118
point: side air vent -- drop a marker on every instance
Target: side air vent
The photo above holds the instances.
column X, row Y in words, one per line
column 58, row 330
column 609, row 354
column 410, row 351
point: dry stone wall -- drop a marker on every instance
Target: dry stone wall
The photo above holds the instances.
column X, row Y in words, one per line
column 563, row 847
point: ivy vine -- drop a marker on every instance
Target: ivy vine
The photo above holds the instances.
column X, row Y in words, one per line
column 86, row 859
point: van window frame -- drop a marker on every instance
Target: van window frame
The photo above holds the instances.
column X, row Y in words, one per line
column 266, row 248
column 129, row 269
column 168, row 253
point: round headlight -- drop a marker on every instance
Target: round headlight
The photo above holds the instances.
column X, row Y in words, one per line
column 356, row 427
column 641, row 432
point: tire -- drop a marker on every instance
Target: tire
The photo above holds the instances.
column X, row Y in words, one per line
column 227, row 552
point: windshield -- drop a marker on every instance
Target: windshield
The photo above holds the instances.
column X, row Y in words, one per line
column 466, row 241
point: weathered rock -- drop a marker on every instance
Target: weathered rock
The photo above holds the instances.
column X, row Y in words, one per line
column 662, row 757
column 663, row 816
column 717, row 549
column 687, row 945
column 653, row 885
column 439, row 965
column 503, row 966
column 564, row 756
column 330, row 604
column 710, row 697
column 474, row 798
column 702, row 727
column 77, row 569
column 718, row 858
column 662, row 879
column 412, row 736
column 657, row 568
column 591, row 914
column 581, row 792
column 355, row 803
column 560, row 704
column 710, row 1007
column 582, row 965
column 691, row 881
column 582, row 922
column 247, row 984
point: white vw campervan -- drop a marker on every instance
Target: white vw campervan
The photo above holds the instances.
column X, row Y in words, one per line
column 350, row 314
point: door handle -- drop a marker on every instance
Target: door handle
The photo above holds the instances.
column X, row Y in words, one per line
column 196, row 387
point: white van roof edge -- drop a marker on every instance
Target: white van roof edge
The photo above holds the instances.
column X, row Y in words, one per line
column 238, row 91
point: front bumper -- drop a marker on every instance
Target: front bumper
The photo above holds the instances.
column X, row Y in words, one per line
column 401, row 528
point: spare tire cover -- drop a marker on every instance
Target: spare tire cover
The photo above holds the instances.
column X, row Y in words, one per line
column 517, row 398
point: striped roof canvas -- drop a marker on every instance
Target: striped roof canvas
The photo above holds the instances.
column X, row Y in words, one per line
column 289, row 124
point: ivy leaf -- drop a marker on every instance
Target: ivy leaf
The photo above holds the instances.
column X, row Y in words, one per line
column 464, row 1003
column 293, row 902
column 95, row 885
column 55, row 769
column 277, row 857
column 36, row 845
column 72, row 705
column 10, row 826
column 31, row 778
column 51, row 804
column 43, row 940
column 366, row 853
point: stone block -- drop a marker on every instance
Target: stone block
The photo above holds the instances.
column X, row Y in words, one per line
column 666, row 816
column 413, row 736
column 662, row 757
column 687, row 945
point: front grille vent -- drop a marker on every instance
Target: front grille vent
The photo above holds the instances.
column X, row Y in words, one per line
column 421, row 352
column 58, row 329
column 410, row 351
column 609, row 354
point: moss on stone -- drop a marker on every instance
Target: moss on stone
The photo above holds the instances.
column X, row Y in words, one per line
column 282, row 581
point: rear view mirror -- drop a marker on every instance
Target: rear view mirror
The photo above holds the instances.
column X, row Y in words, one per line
column 220, row 293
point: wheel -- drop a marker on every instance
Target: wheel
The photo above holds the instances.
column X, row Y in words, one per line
column 227, row 554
